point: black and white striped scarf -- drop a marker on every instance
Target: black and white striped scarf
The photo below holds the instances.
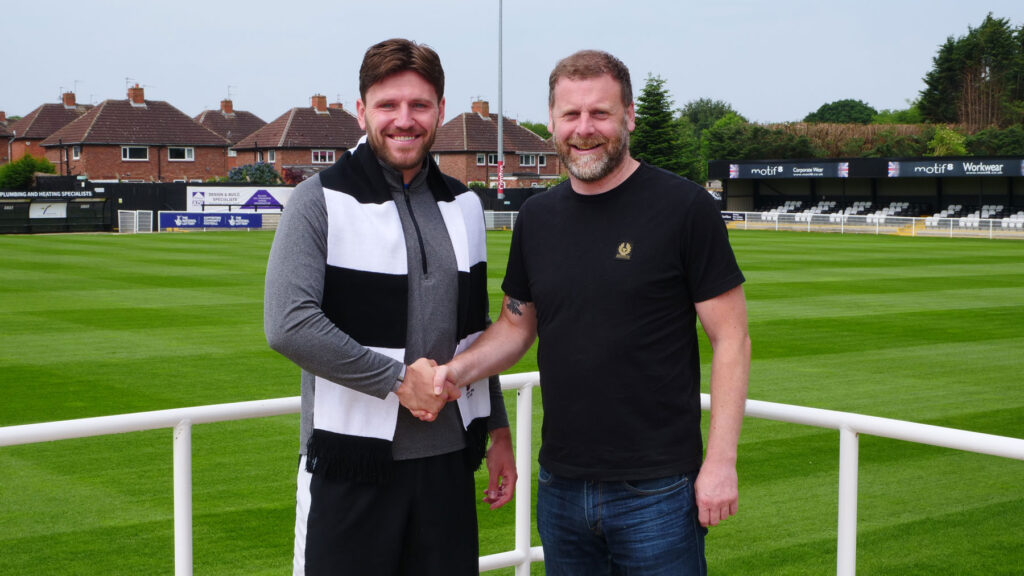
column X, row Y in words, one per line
column 366, row 296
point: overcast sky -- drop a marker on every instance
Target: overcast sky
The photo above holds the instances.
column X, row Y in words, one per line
column 772, row 61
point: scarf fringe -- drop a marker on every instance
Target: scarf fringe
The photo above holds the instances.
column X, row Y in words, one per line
column 344, row 457
column 476, row 443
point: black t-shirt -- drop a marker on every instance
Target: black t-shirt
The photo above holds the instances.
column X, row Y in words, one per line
column 614, row 278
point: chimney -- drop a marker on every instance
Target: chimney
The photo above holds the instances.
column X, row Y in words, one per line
column 137, row 96
column 336, row 106
column 482, row 108
column 227, row 107
column 68, row 98
column 320, row 103
column 3, row 117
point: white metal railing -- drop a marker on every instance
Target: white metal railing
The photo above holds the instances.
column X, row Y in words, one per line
column 955, row 227
column 962, row 227
column 181, row 421
column 849, row 425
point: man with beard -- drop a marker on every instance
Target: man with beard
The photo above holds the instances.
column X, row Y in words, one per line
column 611, row 270
column 378, row 260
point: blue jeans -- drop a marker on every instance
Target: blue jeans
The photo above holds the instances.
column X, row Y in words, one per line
column 634, row 528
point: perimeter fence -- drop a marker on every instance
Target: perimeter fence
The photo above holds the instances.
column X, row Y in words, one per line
column 850, row 426
column 957, row 227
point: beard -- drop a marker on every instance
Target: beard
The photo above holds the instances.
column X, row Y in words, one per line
column 592, row 168
column 402, row 161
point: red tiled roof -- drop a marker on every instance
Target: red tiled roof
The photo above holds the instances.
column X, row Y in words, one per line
column 471, row 132
column 306, row 128
column 45, row 120
column 234, row 126
column 119, row 122
column 4, row 132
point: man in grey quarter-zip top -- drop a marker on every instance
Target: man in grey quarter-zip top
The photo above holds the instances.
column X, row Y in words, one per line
column 380, row 260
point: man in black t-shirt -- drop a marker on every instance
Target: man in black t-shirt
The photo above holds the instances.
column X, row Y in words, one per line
column 611, row 270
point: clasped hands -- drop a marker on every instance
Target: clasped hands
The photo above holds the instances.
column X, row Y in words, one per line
column 425, row 391
column 419, row 394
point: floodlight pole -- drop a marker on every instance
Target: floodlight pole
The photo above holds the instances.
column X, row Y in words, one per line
column 501, row 135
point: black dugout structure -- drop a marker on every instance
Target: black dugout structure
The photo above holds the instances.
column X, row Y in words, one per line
column 927, row 185
column 66, row 204
column 56, row 204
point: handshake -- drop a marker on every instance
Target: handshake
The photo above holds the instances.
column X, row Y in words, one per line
column 426, row 389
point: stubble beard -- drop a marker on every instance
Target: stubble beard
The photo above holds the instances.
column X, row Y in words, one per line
column 379, row 143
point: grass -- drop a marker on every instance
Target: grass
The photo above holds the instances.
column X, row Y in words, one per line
column 920, row 329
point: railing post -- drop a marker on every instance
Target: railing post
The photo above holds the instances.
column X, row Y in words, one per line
column 183, row 498
column 524, row 469
column 846, row 553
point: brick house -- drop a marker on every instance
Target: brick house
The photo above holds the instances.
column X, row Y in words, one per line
column 234, row 125
column 137, row 140
column 466, row 148
column 302, row 140
column 39, row 124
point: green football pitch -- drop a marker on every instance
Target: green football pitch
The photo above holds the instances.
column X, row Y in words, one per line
column 922, row 329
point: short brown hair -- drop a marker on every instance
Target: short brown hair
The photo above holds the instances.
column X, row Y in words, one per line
column 587, row 64
column 399, row 55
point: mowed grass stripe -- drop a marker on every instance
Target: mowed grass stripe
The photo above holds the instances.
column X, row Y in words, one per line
column 922, row 329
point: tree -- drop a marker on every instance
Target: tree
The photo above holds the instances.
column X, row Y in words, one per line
column 843, row 112
column 704, row 112
column 976, row 79
column 995, row 142
column 731, row 138
column 890, row 144
column 656, row 137
column 942, row 86
column 947, row 142
column 21, row 173
column 723, row 141
column 259, row 173
column 911, row 115
column 538, row 128
column 694, row 165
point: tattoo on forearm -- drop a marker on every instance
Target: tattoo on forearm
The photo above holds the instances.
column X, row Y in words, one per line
column 513, row 306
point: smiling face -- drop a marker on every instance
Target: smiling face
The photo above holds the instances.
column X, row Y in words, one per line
column 591, row 128
column 400, row 115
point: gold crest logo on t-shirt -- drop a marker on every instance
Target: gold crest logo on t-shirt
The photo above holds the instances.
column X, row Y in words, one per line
column 624, row 252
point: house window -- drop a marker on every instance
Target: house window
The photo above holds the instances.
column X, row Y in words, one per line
column 437, row 159
column 232, row 153
column 492, row 159
column 134, row 154
column 181, row 154
column 527, row 159
column 259, row 156
column 76, row 152
column 271, row 156
column 481, row 158
column 542, row 160
column 323, row 156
